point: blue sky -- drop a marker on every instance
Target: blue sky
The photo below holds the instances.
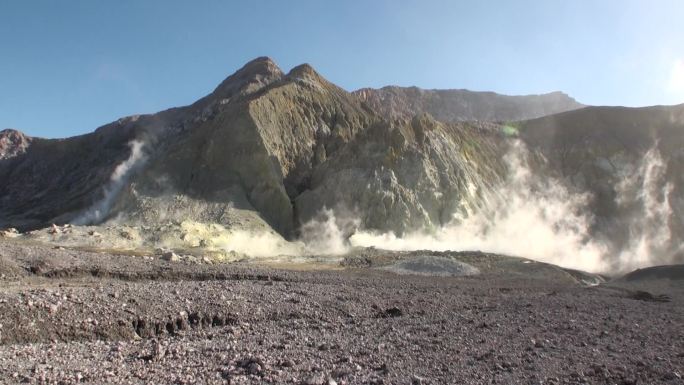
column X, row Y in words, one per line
column 67, row 67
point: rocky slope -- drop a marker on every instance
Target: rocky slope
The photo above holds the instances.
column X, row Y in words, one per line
column 268, row 152
column 264, row 143
column 463, row 105
column 13, row 143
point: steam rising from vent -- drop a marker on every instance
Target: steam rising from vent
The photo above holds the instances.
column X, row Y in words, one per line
column 122, row 173
column 646, row 194
column 526, row 216
column 328, row 234
column 538, row 218
column 529, row 215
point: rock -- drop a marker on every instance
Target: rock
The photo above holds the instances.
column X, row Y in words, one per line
column 9, row 233
column 315, row 379
column 13, row 143
column 393, row 312
column 432, row 266
column 460, row 105
column 158, row 351
column 672, row 376
column 254, row 368
column 170, row 256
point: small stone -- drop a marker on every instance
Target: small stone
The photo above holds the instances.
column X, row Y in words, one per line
column 254, row 368
column 315, row 379
column 9, row 233
column 393, row 312
column 672, row 376
column 158, row 352
column 287, row 363
column 170, row 256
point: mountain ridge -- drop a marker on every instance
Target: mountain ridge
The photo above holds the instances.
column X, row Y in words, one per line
column 268, row 151
column 452, row 105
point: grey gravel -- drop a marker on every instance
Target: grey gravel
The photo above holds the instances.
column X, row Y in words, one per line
column 76, row 317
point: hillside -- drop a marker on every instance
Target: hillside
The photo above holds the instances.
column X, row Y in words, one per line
column 463, row 105
column 296, row 157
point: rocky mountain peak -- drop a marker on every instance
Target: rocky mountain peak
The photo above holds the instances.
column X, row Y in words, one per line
column 261, row 65
column 305, row 72
column 252, row 77
column 13, row 143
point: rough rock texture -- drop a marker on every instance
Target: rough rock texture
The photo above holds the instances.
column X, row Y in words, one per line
column 89, row 318
column 13, row 143
column 284, row 146
column 253, row 151
column 408, row 177
column 463, row 105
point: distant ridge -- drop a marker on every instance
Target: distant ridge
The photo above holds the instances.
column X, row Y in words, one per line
column 463, row 105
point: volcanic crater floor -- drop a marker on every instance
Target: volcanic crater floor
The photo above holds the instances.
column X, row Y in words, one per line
column 70, row 317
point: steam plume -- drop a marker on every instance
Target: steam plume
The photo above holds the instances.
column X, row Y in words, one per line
column 123, row 171
column 539, row 218
column 527, row 216
column 646, row 194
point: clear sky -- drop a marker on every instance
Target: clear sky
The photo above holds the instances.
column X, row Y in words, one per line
column 67, row 67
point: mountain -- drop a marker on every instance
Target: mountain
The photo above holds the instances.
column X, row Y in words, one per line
column 291, row 153
column 264, row 147
column 463, row 105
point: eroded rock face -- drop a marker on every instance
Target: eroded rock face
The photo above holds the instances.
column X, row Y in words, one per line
column 254, row 152
column 407, row 177
column 13, row 143
column 463, row 105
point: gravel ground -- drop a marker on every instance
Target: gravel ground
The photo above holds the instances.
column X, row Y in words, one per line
column 70, row 317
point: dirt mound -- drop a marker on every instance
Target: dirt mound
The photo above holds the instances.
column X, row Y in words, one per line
column 668, row 272
column 429, row 265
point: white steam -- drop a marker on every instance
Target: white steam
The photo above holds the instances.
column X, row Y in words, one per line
column 646, row 192
column 123, row 171
column 526, row 216
column 328, row 234
column 529, row 215
column 537, row 218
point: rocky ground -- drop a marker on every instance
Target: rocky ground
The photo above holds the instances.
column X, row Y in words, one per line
column 70, row 316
